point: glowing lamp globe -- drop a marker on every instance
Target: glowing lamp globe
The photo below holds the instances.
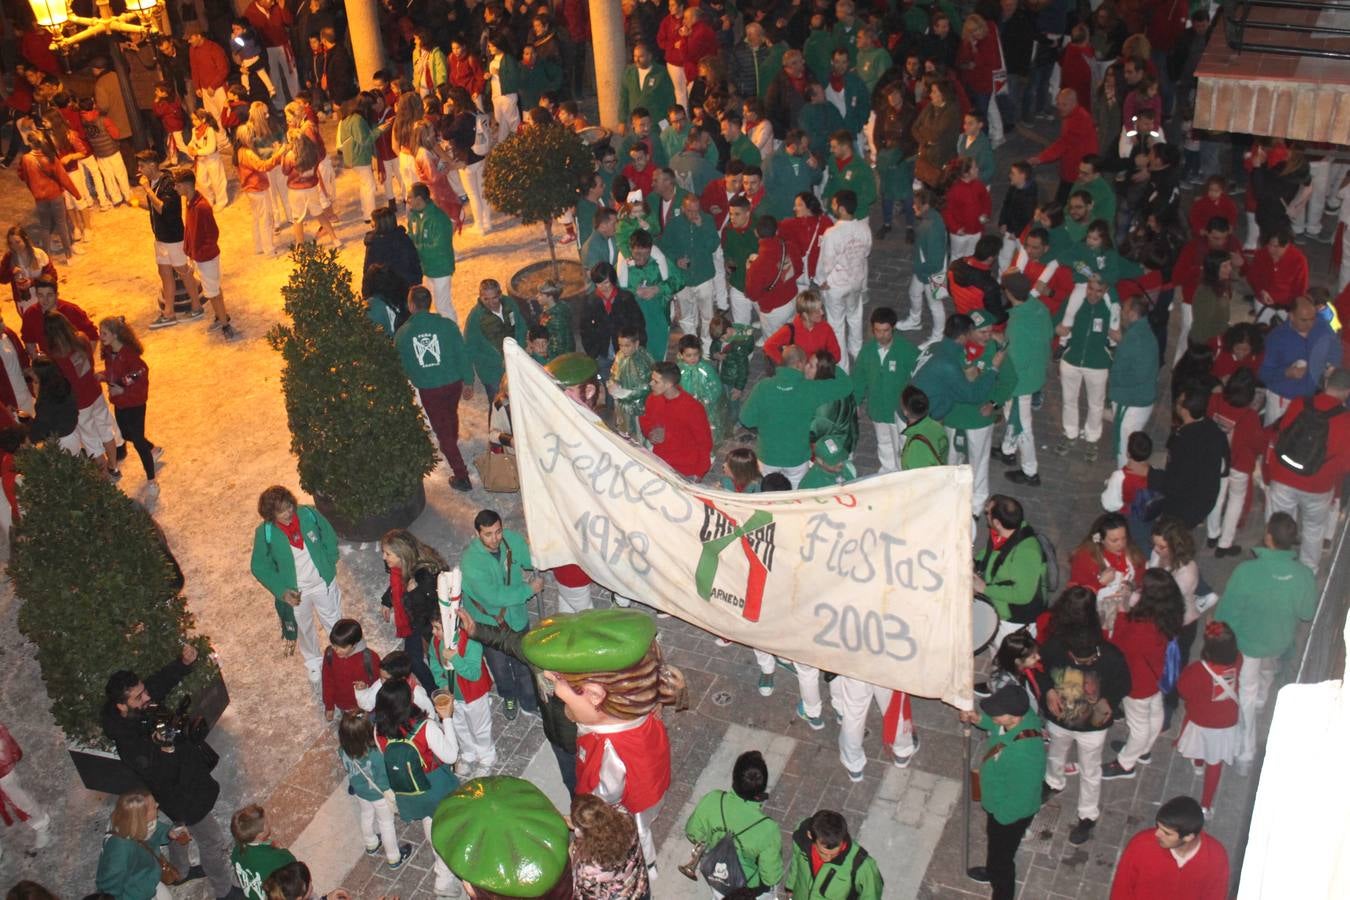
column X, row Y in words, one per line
column 50, row 13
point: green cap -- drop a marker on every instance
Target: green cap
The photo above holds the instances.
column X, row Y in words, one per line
column 831, row 451
column 981, row 318
column 596, row 640
column 572, row 369
column 502, row 834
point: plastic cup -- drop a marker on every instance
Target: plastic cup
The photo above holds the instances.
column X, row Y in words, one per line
column 444, row 701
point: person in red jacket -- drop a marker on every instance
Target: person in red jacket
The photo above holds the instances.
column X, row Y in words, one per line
column 805, row 229
column 1077, row 139
column 465, row 70
column 201, row 244
column 1234, row 411
column 1051, row 283
column 976, row 59
column 273, row 20
column 1142, row 634
column 34, row 329
column 967, row 209
column 1075, row 64
column 807, row 330
column 210, row 70
column 348, row 665
column 771, row 276
column 41, row 171
column 1174, row 859
column 1278, row 273
column 1214, row 202
column 1209, row 688
column 128, row 380
column 716, row 197
column 677, row 424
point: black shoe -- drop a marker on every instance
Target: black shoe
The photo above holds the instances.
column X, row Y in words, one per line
column 1114, row 771
column 192, row 875
column 909, row 235
column 1017, row 476
column 884, row 230
column 121, row 452
column 1211, row 543
column 1047, row 792
column 1038, row 400
column 978, row 873
column 1235, row 550
column 1008, row 459
column 404, row 851
column 1143, row 760
column 461, row 484
column 1080, row 833
column 982, row 689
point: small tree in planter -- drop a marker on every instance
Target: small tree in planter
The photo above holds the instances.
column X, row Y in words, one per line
column 99, row 591
column 535, row 174
column 361, row 444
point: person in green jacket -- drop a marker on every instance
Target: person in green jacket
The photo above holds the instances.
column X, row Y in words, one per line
column 1097, row 255
column 462, row 671
column 295, row 557
column 970, row 424
column 630, row 381
column 690, row 240
column 356, row 143
column 496, row 592
column 1011, row 570
column 883, row 367
column 494, row 318
column 974, row 143
column 832, row 466
column 855, row 98
column 538, row 76
column 818, row 48
column 503, row 82
column 941, row 371
column 1086, row 325
column 433, row 234
column 790, row 171
column 926, row 284
column 925, row 440
column 588, row 201
column 845, row 869
column 1012, row 768
column 740, row 812
column 739, row 243
column 699, row 378
column 368, row 782
column 1263, row 602
column 128, row 865
column 645, row 85
column 253, row 857
column 837, row 419
column 846, row 169
column 1029, row 333
column 644, row 270
column 1102, row 191
column 780, row 408
column 1132, row 381
column 738, row 142
column 819, row 118
column 871, row 59
column 556, row 317
column 433, row 356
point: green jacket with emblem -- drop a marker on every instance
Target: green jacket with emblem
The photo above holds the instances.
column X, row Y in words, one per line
column 853, row 875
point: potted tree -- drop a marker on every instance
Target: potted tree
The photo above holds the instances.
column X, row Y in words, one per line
column 535, row 174
column 362, row 447
column 100, row 592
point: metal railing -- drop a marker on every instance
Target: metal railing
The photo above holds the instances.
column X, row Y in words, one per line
column 1323, row 656
column 1239, row 22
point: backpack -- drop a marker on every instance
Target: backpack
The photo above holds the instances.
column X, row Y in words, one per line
column 1167, row 682
column 1050, row 585
column 1302, row 447
column 721, row 864
column 1026, row 613
column 403, row 766
column 858, row 859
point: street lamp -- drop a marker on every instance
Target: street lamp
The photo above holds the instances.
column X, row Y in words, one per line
column 53, row 15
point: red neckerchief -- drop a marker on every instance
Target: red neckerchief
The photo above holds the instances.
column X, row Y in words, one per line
column 997, row 540
column 817, row 862
column 292, row 532
column 1118, row 561
column 840, row 164
column 837, row 82
column 608, row 301
column 799, row 84
column 402, row 627
column 1031, row 679
column 973, row 351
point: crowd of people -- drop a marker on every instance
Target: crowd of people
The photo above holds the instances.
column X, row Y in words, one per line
column 762, row 158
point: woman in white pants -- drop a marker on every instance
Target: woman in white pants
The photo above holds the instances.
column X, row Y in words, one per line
column 407, row 113
column 503, row 73
column 1235, row 412
column 369, row 784
column 255, row 177
column 207, row 142
column 17, row 799
column 851, row 699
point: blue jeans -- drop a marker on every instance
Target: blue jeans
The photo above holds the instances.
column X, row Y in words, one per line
column 1040, row 92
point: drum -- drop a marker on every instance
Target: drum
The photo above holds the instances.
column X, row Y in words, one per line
column 983, row 624
column 594, row 135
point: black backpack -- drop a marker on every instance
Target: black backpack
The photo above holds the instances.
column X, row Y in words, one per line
column 721, row 864
column 1302, row 447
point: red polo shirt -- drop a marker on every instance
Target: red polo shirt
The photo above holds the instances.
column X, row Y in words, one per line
column 200, row 235
column 687, row 447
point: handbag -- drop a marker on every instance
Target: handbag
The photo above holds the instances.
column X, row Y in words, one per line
column 168, row 874
column 498, row 471
column 927, row 171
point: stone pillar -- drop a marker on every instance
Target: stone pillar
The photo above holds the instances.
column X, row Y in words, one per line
column 611, row 57
column 363, row 26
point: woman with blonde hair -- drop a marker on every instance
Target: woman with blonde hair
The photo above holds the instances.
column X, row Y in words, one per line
column 408, row 111
column 976, row 60
column 129, row 865
column 410, row 599
column 433, row 167
column 257, row 158
column 606, row 855
column 301, row 165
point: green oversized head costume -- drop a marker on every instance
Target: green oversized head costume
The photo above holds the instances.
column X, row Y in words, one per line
column 503, row 838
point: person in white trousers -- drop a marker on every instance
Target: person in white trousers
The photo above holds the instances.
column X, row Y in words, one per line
column 842, row 272
column 970, row 426
column 18, row 800
column 851, row 699
column 365, row 774
column 1090, row 317
column 930, row 269
column 1133, row 375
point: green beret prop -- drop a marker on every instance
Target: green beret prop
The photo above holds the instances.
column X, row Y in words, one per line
column 502, row 834
column 572, row 369
column 596, row 640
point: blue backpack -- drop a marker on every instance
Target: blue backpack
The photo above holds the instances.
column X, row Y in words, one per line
column 1167, row 682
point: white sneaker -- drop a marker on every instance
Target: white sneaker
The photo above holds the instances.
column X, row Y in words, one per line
column 909, row 324
column 482, row 770
column 463, row 769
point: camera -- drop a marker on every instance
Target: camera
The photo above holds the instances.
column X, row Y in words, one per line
column 167, row 727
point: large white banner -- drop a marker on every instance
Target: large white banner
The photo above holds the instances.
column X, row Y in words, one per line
column 872, row 580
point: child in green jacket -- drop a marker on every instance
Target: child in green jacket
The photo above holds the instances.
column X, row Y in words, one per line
column 740, row 811
column 732, row 345
column 699, row 377
column 254, row 858
column 630, row 381
column 368, row 782
column 461, row 670
column 128, row 866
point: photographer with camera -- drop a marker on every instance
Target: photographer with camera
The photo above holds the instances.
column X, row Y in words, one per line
column 170, row 755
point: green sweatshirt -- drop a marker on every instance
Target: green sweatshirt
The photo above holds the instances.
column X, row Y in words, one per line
column 818, row 476
column 127, row 869
column 274, row 565
column 1265, row 600
column 1030, row 330
column 484, row 333
column 585, row 219
column 433, row 234
column 781, row 409
column 633, row 373
column 872, row 64
column 356, row 141
column 849, row 875
column 656, row 308
column 1010, row 779
column 758, row 845
column 930, row 245
column 930, row 451
column 942, row 376
column 468, row 665
column 1134, row 367
column 737, row 344
column 1083, row 261
column 785, row 177
column 966, row 415
column 745, row 150
column 879, row 378
column 736, row 248
column 432, row 351
column 1017, row 581
column 818, row 49
column 558, row 320
column 254, row 863
column 858, row 177
column 819, row 121
column 491, row 589
column 1089, row 336
column 682, row 238
column 1103, row 199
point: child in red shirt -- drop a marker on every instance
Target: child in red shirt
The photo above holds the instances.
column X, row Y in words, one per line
column 1209, row 688
column 1214, row 204
column 348, row 666
column 1129, row 479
